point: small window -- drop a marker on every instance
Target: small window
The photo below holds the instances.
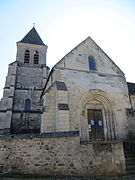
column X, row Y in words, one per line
column 36, row 57
column 92, row 64
column 27, row 56
column 27, row 105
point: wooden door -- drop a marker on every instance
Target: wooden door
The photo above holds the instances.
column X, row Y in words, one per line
column 95, row 124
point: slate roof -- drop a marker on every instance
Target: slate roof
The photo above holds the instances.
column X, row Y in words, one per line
column 32, row 38
column 131, row 88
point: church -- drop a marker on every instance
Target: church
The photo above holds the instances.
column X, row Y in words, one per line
column 82, row 108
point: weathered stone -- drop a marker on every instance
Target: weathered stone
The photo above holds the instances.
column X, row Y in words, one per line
column 82, row 160
column 61, row 105
column 24, row 81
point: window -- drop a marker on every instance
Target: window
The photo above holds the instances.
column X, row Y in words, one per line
column 27, row 105
column 36, row 57
column 92, row 64
column 27, row 56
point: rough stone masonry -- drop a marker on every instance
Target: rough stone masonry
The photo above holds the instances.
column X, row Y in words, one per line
column 70, row 121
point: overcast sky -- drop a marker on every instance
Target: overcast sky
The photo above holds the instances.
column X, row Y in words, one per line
column 62, row 24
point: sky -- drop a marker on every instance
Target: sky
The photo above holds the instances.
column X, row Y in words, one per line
column 63, row 24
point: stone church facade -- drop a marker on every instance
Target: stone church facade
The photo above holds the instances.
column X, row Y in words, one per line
column 75, row 117
column 89, row 91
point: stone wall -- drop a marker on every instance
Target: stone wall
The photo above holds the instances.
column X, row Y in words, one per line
column 104, row 88
column 88, row 88
column 60, row 154
column 26, row 122
column 32, row 48
column 29, row 76
column 55, row 108
column 24, row 81
column 131, row 117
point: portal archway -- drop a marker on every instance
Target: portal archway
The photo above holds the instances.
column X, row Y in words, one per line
column 97, row 117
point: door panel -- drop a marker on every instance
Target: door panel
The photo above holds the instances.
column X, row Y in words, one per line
column 95, row 123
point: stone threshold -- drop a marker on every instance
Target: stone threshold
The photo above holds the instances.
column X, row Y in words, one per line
column 43, row 135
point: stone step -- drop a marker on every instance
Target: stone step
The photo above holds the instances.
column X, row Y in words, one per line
column 130, row 159
column 130, row 171
column 129, row 155
column 128, row 152
column 130, row 163
column 131, row 166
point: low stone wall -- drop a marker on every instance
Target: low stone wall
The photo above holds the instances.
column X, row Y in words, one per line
column 60, row 154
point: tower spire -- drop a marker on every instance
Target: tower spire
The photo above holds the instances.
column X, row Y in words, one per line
column 32, row 37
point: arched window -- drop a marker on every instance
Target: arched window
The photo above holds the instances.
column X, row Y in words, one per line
column 27, row 56
column 36, row 57
column 27, row 105
column 92, row 64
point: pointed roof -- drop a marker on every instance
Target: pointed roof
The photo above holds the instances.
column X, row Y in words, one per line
column 32, row 38
column 88, row 38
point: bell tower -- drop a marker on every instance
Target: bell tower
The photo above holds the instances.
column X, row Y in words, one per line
column 24, row 84
column 31, row 55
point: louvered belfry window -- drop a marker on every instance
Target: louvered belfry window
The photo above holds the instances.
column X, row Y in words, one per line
column 27, row 56
column 36, row 57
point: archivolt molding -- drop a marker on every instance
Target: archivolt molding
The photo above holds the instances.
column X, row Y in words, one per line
column 97, row 99
column 99, row 96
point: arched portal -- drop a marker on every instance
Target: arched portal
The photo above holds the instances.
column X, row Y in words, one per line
column 97, row 117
